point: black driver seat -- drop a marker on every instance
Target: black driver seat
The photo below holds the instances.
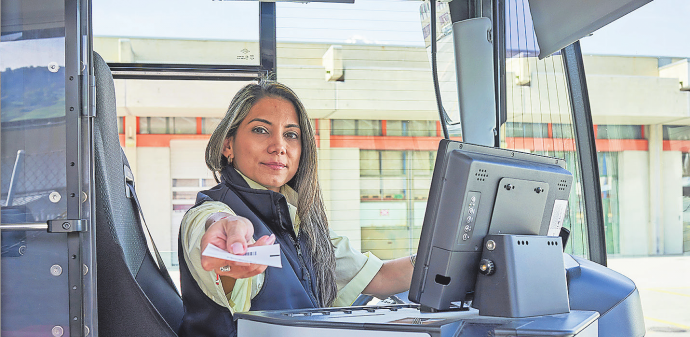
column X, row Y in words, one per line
column 136, row 296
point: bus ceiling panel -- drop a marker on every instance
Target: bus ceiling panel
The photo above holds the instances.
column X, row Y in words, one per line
column 558, row 23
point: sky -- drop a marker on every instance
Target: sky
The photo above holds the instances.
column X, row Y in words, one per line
column 656, row 29
column 659, row 28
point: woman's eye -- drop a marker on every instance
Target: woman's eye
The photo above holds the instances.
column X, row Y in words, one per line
column 292, row 135
column 259, row 130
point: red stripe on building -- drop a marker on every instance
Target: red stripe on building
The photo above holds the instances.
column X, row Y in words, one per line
column 677, row 145
column 164, row 140
column 387, row 142
column 540, row 144
column 198, row 125
column 617, row 145
column 553, row 144
column 400, row 143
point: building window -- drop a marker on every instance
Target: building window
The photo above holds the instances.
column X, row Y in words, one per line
column 167, row 125
column 421, row 128
column 392, row 163
column 120, row 125
column 184, row 125
column 395, row 175
column 355, row 127
column 184, row 192
column 562, row 131
column 527, row 130
column 343, row 127
column 411, row 128
column 676, row 132
column 209, row 124
column 367, row 127
column 619, row 132
column 158, row 125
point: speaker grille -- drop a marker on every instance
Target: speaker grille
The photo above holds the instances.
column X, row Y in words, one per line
column 481, row 175
column 563, row 185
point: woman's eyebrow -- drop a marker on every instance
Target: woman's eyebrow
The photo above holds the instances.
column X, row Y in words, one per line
column 260, row 120
column 269, row 123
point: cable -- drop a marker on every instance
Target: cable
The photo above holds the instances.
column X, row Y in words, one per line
column 434, row 72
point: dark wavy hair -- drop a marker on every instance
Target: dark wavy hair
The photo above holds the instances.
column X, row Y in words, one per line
column 310, row 206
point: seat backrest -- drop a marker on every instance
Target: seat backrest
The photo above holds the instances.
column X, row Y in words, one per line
column 136, row 297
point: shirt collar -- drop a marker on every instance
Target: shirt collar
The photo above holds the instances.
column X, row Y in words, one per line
column 288, row 192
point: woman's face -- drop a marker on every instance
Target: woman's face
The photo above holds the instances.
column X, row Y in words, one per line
column 267, row 146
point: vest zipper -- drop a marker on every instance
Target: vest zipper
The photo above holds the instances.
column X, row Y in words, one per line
column 303, row 265
column 300, row 257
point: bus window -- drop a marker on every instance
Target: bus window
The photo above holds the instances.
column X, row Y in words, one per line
column 33, row 164
column 165, row 32
column 376, row 124
column 539, row 118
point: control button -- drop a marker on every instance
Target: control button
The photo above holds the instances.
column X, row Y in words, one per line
column 468, row 228
column 473, row 199
column 469, row 219
column 465, row 237
column 471, row 210
column 486, row 267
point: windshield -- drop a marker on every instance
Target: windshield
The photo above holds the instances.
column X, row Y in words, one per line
column 363, row 73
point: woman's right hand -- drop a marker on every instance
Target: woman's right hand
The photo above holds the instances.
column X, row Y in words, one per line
column 233, row 234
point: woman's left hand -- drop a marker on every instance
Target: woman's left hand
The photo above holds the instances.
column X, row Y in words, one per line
column 232, row 233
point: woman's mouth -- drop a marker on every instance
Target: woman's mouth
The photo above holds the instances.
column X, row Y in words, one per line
column 275, row 165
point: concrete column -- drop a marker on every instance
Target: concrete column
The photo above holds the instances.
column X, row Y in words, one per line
column 125, row 52
column 672, row 208
column 130, row 129
column 633, row 191
column 345, row 209
column 325, row 162
column 154, row 188
column 339, row 180
column 655, row 229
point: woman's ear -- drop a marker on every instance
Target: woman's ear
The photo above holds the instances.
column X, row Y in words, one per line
column 227, row 149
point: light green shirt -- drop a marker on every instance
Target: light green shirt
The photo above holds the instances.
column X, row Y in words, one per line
column 353, row 271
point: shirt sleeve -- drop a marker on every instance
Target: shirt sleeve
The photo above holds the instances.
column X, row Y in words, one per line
column 354, row 270
column 193, row 228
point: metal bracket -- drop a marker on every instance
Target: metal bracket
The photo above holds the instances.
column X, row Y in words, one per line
column 129, row 180
column 66, row 226
column 89, row 108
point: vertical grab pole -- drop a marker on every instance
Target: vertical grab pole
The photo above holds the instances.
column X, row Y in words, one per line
column 267, row 39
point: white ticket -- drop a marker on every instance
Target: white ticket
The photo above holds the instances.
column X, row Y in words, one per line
column 557, row 217
column 267, row 255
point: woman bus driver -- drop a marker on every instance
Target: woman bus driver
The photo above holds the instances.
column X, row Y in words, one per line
column 263, row 153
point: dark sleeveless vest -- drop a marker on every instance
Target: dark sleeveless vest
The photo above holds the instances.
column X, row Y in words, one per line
column 291, row 287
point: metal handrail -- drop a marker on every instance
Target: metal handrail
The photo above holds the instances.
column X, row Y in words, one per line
column 38, row 226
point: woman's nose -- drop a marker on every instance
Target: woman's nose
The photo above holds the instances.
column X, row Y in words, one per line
column 277, row 145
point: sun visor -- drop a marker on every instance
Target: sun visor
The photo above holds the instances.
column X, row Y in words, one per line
column 558, row 23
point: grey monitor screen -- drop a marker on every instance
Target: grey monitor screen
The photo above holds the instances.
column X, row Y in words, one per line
column 475, row 191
